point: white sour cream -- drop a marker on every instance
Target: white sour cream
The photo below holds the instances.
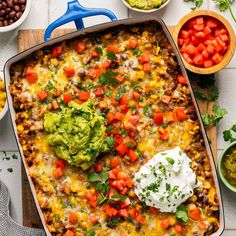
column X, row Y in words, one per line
column 166, row 180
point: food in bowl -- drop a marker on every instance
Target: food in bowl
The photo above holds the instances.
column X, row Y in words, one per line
column 131, row 76
column 11, row 11
column 228, row 166
column 146, row 4
column 203, row 41
column 2, row 95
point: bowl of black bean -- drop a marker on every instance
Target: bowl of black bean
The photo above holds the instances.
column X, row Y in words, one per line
column 13, row 13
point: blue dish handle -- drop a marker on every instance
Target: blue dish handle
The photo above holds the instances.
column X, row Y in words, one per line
column 75, row 12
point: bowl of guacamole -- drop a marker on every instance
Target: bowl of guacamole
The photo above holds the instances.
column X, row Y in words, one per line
column 77, row 134
column 145, row 5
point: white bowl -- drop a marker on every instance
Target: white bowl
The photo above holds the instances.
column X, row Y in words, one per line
column 5, row 109
column 145, row 11
column 20, row 21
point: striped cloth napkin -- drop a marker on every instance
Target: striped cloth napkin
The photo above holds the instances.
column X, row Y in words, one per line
column 8, row 227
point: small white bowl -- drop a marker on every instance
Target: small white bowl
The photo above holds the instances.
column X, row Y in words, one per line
column 5, row 109
column 20, row 21
column 145, row 11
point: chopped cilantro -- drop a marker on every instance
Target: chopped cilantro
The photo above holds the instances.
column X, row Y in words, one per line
column 111, row 56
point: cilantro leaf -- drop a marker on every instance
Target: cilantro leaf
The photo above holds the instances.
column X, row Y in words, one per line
column 99, row 50
column 108, row 77
column 213, row 94
column 228, row 136
column 118, row 197
column 110, row 141
column 111, row 56
column 121, row 92
column 200, row 96
column 104, row 176
column 94, row 177
column 197, row 3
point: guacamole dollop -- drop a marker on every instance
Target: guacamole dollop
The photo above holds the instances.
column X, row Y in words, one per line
column 77, row 134
column 146, row 4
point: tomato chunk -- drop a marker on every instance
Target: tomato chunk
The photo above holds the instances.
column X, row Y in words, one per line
column 121, row 149
column 31, row 75
column 132, row 155
column 69, row 71
column 57, row 51
column 80, row 47
column 42, row 95
column 158, row 118
column 133, row 42
column 144, row 58
column 67, row 98
column 195, row 214
column 84, row 96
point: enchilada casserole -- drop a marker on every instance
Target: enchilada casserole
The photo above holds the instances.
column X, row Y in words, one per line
column 90, row 112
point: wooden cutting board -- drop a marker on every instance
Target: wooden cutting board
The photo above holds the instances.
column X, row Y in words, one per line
column 30, row 38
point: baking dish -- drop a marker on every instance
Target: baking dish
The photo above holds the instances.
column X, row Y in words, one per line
column 72, row 9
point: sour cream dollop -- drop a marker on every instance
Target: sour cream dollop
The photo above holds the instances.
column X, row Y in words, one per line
column 166, row 180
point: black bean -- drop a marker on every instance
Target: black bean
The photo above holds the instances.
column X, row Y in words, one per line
column 4, row 5
column 2, row 12
column 7, row 10
column 12, row 14
column 10, row 3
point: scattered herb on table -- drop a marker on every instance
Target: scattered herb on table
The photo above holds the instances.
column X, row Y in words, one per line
column 228, row 134
column 197, row 3
column 210, row 120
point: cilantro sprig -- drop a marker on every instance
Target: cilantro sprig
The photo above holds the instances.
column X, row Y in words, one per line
column 230, row 134
column 197, row 3
column 108, row 78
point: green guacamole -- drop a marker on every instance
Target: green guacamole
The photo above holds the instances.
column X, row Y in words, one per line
column 146, row 4
column 77, row 134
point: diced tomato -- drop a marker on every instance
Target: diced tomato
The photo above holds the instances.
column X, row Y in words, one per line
column 124, row 109
column 211, row 23
column 42, row 95
column 220, row 31
column 208, row 63
column 106, row 65
column 198, row 27
column 198, row 60
column 170, row 117
column 190, row 49
column 224, row 38
column 69, row 71
column 57, row 92
column 99, row 92
column 133, row 213
column 95, row 54
column 111, row 175
column 134, row 119
column 191, row 23
column 95, row 72
column 158, row 118
column 180, row 113
column 201, row 47
column 69, row 233
column 84, row 96
column 132, row 155
column 119, row 116
column 92, row 199
column 189, row 60
column 116, row 170
column 122, row 175
column 110, row 211
column 31, row 75
column 94, row 218
column 60, row 163
column 80, row 47
column 207, row 30
column 73, row 218
column 217, row 58
column 129, row 183
column 147, row 67
column 166, row 99
column 136, row 95
column 165, row 135
column 55, row 105
column 121, row 149
column 180, row 41
column 199, row 20
column 129, row 126
column 67, row 98
column 205, row 53
column 183, row 48
column 120, row 78
column 125, row 203
column 210, row 48
column 179, row 228
column 144, row 58
column 124, row 100
column 110, row 117
column 165, row 223
column 154, row 210
column 98, row 167
column 58, row 172
column 214, row 42
column 195, row 214
column 140, row 219
column 200, row 35
column 113, row 48
column 133, row 42
column 181, row 79
column 123, row 213
column 184, row 34
column 57, row 51
column 115, row 162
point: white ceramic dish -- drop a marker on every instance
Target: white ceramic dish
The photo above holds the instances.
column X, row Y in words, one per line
column 145, row 11
column 20, row 21
column 4, row 111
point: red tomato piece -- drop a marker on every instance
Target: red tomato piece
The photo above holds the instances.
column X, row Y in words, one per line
column 195, row 214
column 123, row 213
column 179, row 228
column 110, row 117
column 124, row 109
column 158, row 118
column 170, row 118
column 118, row 116
column 180, row 113
column 57, row 51
column 113, row 48
column 31, row 75
column 125, row 203
column 73, row 217
column 95, row 72
column 165, row 223
column 69, row 71
column 133, row 42
column 60, row 163
column 122, row 175
column 69, row 233
column 210, row 48
column 55, row 105
column 217, row 58
column 67, row 98
column 80, row 47
column 58, row 172
column 207, row 30
column 190, row 49
column 132, row 155
column 208, row 63
column 154, row 210
column 140, row 219
column 198, row 60
column 134, row 119
column 124, row 100
column 147, row 67
column 201, row 47
column 115, row 162
column 84, row 96
column 199, row 20
column 95, row 54
column 166, row 99
column 224, row 38
column 42, row 95
column 129, row 126
column 198, row 27
column 94, row 218
column 184, row 34
column 106, row 65
column 200, row 35
column 98, row 167
column 205, row 53
column 110, row 211
column 136, row 95
column 99, row 92
column 144, row 58
column 180, row 42
column 211, row 23
column 181, row 79
column 121, row 149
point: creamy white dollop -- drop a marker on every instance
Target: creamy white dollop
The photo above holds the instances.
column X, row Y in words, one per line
column 166, row 180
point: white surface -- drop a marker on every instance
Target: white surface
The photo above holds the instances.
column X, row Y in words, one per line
column 45, row 11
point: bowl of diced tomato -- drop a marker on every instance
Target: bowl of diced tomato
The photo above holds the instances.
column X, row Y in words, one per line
column 206, row 41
